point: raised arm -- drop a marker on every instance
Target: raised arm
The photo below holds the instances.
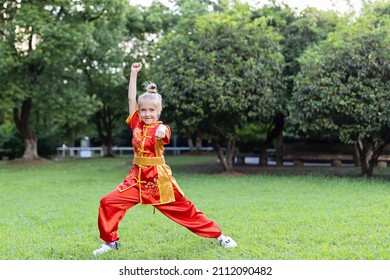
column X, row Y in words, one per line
column 132, row 93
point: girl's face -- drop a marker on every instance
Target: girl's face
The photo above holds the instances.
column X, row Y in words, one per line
column 148, row 111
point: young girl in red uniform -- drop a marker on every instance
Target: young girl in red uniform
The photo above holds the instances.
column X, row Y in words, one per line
column 150, row 181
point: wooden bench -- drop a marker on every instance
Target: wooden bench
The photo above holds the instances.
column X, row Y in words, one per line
column 383, row 160
column 334, row 159
column 298, row 159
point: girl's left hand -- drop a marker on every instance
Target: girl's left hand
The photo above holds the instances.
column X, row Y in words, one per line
column 136, row 67
column 161, row 131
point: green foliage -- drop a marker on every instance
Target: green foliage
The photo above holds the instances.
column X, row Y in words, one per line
column 41, row 46
column 67, row 57
column 47, row 146
column 43, row 42
column 298, row 30
column 103, row 64
column 379, row 9
column 11, row 144
column 5, row 130
column 218, row 71
column 194, row 8
column 310, row 27
column 249, row 137
column 219, row 65
column 344, row 87
column 344, row 84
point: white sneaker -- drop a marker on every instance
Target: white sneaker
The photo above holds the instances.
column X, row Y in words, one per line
column 226, row 241
column 105, row 247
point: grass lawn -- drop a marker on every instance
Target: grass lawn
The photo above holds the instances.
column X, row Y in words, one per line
column 48, row 211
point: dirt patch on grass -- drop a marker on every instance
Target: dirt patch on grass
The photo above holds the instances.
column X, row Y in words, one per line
column 240, row 170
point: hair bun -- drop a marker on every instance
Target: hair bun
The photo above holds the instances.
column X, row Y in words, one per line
column 151, row 88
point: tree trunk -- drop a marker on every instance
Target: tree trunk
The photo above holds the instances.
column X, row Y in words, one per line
column 198, row 142
column 231, row 146
column 263, row 156
column 220, row 156
column 104, row 120
column 22, row 125
column 226, row 160
column 356, row 155
column 107, row 150
column 31, row 149
column 275, row 132
column 369, row 153
column 190, row 143
column 107, row 144
column 279, row 149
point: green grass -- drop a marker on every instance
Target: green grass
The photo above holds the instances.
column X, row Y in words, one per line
column 49, row 212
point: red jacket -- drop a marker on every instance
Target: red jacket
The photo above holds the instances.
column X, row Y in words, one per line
column 149, row 173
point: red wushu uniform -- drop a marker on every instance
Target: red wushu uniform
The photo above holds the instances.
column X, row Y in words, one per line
column 150, row 182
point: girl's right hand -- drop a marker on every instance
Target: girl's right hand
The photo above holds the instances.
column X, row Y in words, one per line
column 136, row 67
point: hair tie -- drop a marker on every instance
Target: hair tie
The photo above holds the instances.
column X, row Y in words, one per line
column 151, row 88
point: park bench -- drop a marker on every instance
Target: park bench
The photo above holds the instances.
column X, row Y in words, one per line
column 334, row 159
column 300, row 158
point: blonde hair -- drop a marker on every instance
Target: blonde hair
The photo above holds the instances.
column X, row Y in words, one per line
column 151, row 94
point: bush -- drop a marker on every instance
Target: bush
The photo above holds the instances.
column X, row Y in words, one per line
column 249, row 138
column 11, row 145
column 47, row 146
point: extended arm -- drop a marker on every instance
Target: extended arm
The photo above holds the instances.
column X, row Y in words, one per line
column 132, row 93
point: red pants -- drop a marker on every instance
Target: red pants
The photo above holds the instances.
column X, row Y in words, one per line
column 114, row 205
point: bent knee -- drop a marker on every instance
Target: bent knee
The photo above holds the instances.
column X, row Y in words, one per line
column 105, row 200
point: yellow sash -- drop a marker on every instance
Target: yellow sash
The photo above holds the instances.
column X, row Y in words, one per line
column 148, row 161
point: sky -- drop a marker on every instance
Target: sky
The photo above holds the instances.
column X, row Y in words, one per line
column 338, row 5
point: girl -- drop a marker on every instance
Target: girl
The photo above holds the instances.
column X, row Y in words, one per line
column 150, row 181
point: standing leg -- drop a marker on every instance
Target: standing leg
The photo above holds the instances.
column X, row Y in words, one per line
column 112, row 210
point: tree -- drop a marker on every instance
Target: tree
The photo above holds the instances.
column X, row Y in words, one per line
column 344, row 87
column 217, row 71
column 40, row 41
column 103, row 61
column 157, row 20
column 299, row 31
